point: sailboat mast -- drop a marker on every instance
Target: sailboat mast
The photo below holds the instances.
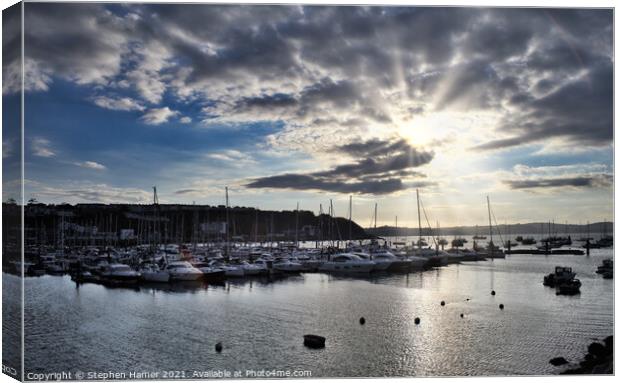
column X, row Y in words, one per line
column 490, row 226
column 297, row 225
column 417, row 194
column 350, row 217
column 227, row 231
column 375, row 215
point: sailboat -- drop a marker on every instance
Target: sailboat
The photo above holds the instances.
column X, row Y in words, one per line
column 491, row 251
column 434, row 257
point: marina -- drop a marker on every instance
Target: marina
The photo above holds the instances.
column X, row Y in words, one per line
column 262, row 321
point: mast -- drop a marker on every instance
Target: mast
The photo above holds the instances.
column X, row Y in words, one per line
column 350, row 217
column 490, row 226
column 417, row 194
column 256, row 227
column 297, row 226
column 227, row 231
column 375, row 215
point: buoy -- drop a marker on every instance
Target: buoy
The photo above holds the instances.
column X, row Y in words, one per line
column 461, row 315
column 218, row 347
column 492, row 292
column 443, row 303
column 416, row 321
column 314, row 341
column 362, row 321
column 501, row 306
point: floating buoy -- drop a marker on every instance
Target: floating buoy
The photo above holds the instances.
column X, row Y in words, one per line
column 501, row 306
column 218, row 347
column 314, row 341
column 492, row 292
column 362, row 321
column 443, row 303
column 462, row 315
column 416, row 321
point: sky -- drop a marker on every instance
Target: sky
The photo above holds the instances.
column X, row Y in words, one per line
column 288, row 104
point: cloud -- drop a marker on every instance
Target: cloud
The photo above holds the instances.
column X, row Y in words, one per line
column 232, row 156
column 123, row 103
column 560, row 177
column 379, row 169
column 158, row 116
column 326, row 76
column 41, row 147
column 80, row 192
column 90, row 165
column 599, row 180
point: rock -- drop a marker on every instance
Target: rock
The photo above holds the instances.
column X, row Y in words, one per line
column 314, row 341
column 462, row 315
column 597, row 349
column 416, row 321
column 609, row 344
column 559, row 361
column 492, row 292
column 362, row 321
column 443, row 303
column 501, row 306
column 218, row 347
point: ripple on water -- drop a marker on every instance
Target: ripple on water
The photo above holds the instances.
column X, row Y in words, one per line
column 261, row 324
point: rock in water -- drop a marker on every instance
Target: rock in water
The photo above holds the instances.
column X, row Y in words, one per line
column 492, row 292
column 501, row 306
column 416, row 321
column 443, row 303
column 218, row 347
column 558, row 361
column 362, row 321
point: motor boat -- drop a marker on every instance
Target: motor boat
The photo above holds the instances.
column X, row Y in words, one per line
column 287, row 265
column 152, row 273
column 568, row 287
column 607, row 265
column 233, row 271
column 395, row 263
column 210, row 270
column 347, row 263
column 253, row 268
column 119, row 273
column 561, row 275
column 183, row 271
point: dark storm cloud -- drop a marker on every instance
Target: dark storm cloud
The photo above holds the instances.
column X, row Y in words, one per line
column 599, row 180
column 311, row 182
column 580, row 111
column 379, row 170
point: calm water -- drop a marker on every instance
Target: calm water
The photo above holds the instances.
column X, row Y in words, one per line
column 94, row 328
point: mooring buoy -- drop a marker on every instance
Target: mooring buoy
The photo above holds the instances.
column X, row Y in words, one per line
column 218, row 347
column 362, row 321
column 314, row 341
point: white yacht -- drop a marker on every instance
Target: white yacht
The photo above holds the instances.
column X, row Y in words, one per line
column 152, row 273
column 386, row 260
column 235, row 271
column 120, row 273
column 211, row 271
column 347, row 263
column 183, row 271
column 287, row 265
column 253, row 268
